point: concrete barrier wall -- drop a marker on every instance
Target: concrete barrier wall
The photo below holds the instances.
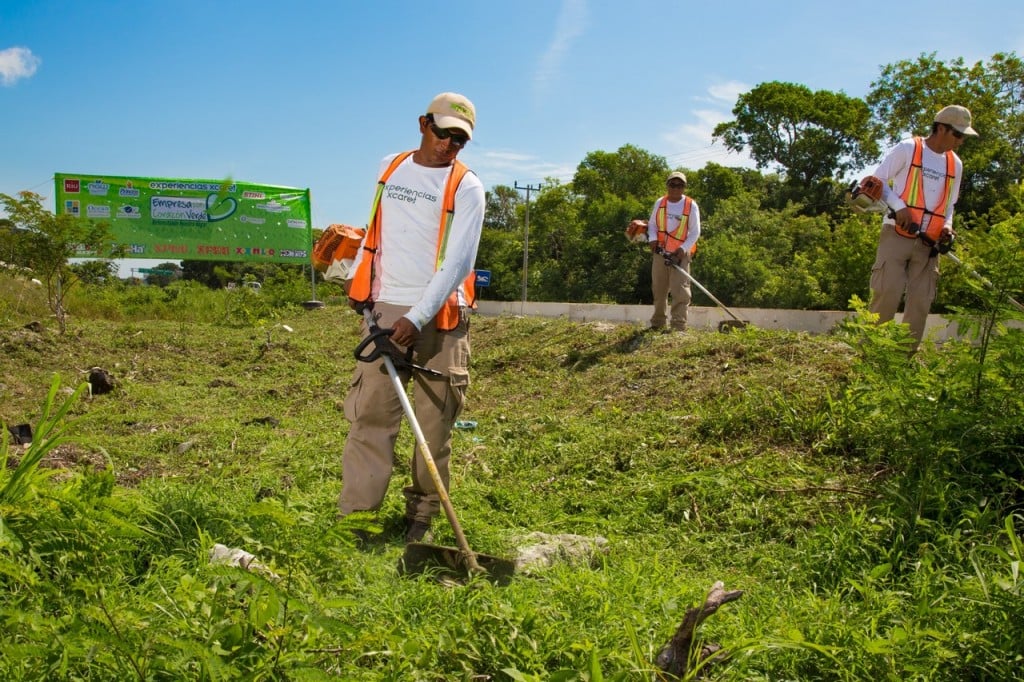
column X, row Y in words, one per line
column 813, row 321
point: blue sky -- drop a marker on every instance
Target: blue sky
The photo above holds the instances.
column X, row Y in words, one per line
column 313, row 94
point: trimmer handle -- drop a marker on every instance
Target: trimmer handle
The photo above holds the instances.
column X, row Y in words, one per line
column 381, row 345
column 670, row 259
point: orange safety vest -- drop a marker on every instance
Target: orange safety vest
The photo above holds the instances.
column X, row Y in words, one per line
column 672, row 241
column 362, row 282
column 913, row 197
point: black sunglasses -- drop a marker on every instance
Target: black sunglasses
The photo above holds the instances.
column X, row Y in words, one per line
column 677, row 183
column 956, row 133
column 459, row 139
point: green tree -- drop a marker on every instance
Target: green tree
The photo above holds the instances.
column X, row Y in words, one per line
column 503, row 209
column 501, row 244
column 596, row 263
column 629, row 171
column 842, row 261
column 211, row 273
column 712, row 184
column 501, row 253
column 46, row 243
column 95, row 272
column 907, row 94
column 757, row 257
column 169, row 272
column 8, row 242
column 812, row 136
column 556, row 244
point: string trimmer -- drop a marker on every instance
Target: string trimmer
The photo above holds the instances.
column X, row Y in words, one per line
column 421, row 557
column 734, row 323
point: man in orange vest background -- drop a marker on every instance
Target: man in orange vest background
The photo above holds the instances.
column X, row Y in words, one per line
column 920, row 184
column 673, row 228
column 414, row 269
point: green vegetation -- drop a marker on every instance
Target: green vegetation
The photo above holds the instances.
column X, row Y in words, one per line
column 44, row 242
column 868, row 505
column 868, row 502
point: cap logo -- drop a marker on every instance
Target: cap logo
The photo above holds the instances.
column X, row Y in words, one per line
column 462, row 110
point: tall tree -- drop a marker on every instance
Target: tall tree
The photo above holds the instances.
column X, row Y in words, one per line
column 610, row 189
column 503, row 208
column 812, row 137
column 629, row 171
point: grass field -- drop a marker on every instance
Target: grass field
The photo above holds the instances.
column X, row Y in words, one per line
column 866, row 546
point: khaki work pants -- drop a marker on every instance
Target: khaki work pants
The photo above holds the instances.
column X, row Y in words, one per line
column 666, row 281
column 375, row 413
column 903, row 264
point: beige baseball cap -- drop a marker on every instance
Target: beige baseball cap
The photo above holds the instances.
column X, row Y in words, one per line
column 452, row 110
column 676, row 176
column 957, row 117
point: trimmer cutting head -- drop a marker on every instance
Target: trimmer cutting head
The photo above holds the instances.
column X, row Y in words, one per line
column 449, row 563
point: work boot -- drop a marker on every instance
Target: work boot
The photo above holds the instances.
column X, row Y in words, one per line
column 418, row 531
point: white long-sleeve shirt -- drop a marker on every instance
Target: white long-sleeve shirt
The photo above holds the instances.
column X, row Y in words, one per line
column 411, row 206
column 673, row 216
column 895, row 166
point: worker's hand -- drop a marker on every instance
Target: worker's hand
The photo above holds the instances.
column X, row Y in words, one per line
column 902, row 217
column 404, row 332
column 654, row 247
column 946, row 237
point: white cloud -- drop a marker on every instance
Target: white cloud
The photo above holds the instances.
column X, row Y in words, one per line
column 728, row 92
column 506, row 168
column 17, row 63
column 510, row 158
column 571, row 20
column 691, row 144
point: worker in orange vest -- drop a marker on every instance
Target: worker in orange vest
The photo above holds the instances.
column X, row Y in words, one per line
column 920, row 184
column 672, row 232
column 414, row 269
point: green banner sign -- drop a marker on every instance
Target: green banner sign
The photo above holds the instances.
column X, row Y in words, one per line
column 181, row 219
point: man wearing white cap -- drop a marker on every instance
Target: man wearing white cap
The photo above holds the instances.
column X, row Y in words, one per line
column 414, row 269
column 672, row 233
column 920, row 184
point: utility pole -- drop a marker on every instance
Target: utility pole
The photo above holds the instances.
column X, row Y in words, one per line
column 526, row 237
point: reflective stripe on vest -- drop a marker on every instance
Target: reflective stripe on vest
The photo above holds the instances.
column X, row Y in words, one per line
column 671, row 241
column 913, row 197
column 362, row 282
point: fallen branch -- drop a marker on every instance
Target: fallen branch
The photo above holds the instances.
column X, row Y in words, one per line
column 679, row 656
